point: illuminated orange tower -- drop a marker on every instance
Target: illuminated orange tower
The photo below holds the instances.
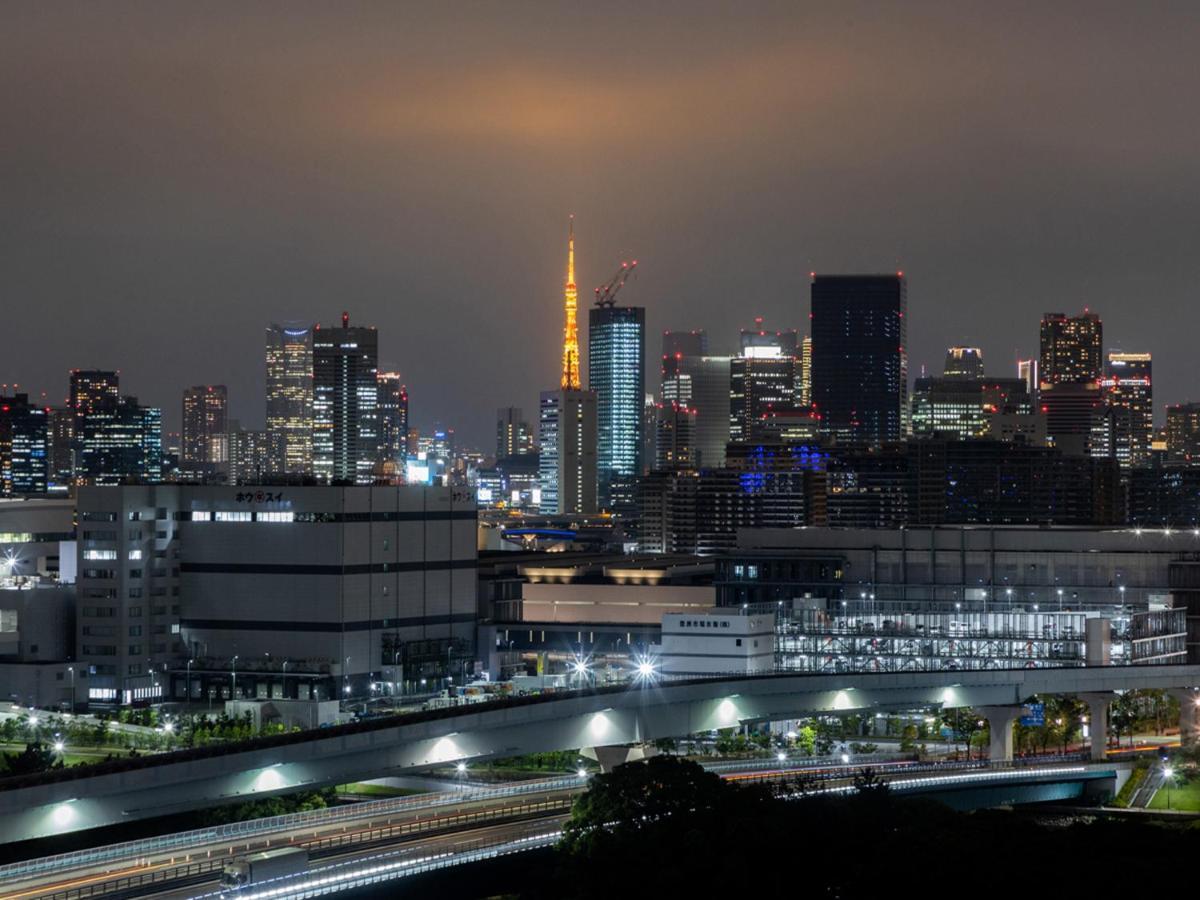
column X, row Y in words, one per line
column 570, row 361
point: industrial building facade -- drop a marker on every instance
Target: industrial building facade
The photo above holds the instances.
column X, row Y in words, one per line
column 202, row 591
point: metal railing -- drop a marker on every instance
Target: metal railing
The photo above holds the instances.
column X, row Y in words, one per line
column 262, row 827
column 189, row 870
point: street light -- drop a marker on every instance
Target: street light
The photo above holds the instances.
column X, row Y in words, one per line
column 1168, row 774
column 233, row 686
column 1060, row 593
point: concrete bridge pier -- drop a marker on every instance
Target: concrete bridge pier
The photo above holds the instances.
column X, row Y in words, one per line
column 1000, row 728
column 1098, row 705
column 611, row 757
column 1189, row 700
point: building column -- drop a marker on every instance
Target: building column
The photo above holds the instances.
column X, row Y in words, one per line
column 1098, row 705
column 1188, row 700
column 1000, row 729
column 613, row 756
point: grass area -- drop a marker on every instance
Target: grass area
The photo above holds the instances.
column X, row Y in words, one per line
column 375, row 790
column 1130, row 787
column 1183, row 797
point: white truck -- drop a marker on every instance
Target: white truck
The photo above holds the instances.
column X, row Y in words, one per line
column 259, row 867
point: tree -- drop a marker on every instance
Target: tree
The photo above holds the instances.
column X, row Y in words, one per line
column 34, row 759
column 806, row 740
column 636, row 796
column 867, row 781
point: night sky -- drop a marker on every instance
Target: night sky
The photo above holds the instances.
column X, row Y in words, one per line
column 173, row 177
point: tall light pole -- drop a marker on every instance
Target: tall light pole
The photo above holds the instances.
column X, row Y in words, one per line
column 233, row 686
column 71, row 669
column 188, row 686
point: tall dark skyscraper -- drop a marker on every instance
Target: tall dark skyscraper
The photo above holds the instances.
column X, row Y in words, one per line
column 1070, row 348
column 617, row 375
column 23, row 446
column 120, row 442
column 115, row 438
column 860, row 360
column 393, row 422
column 289, row 356
column 204, row 438
column 759, row 385
column 345, row 403
column 677, row 344
column 700, row 384
column 1069, row 374
column 513, row 434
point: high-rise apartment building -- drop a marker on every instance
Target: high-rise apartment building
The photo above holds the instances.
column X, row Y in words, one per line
column 860, row 359
column 204, row 439
column 23, row 443
column 1070, row 348
column 617, row 376
column 345, row 403
column 393, row 423
column 289, row 356
column 1128, row 393
column 1027, row 371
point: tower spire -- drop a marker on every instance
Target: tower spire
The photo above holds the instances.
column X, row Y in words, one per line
column 570, row 361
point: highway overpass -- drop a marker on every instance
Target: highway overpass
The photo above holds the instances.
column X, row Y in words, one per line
column 72, row 800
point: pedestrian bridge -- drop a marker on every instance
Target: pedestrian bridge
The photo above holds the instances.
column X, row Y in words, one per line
column 127, row 790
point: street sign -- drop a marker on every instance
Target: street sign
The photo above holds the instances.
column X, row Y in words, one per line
column 1035, row 715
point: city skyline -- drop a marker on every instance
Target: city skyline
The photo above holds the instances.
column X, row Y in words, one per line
column 120, row 247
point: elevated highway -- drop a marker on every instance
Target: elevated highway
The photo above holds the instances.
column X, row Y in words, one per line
column 71, row 800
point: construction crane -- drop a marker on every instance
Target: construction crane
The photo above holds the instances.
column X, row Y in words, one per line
column 607, row 292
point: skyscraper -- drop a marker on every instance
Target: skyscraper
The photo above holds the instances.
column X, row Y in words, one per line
column 23, row 446
column 393, row 423
column 1070, row 348
column 761, row 383
column 1069, row 373
column 512, row 433
column 617, row 375
column 567, row 452
column 289, row 355
column 805, row 398
column 684, row 343
column 860, row 361
column 1128, row 393
column 204, row 440
column 1183, row 433
column 345, row 403
column 60, row 440
column 701, row 383
column 120, row 442
column 963, row 362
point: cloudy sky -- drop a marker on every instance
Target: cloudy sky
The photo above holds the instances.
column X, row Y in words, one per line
column 175, row 176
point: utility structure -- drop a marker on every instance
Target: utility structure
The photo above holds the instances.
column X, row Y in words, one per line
column 606, row 294
column 571, row 380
